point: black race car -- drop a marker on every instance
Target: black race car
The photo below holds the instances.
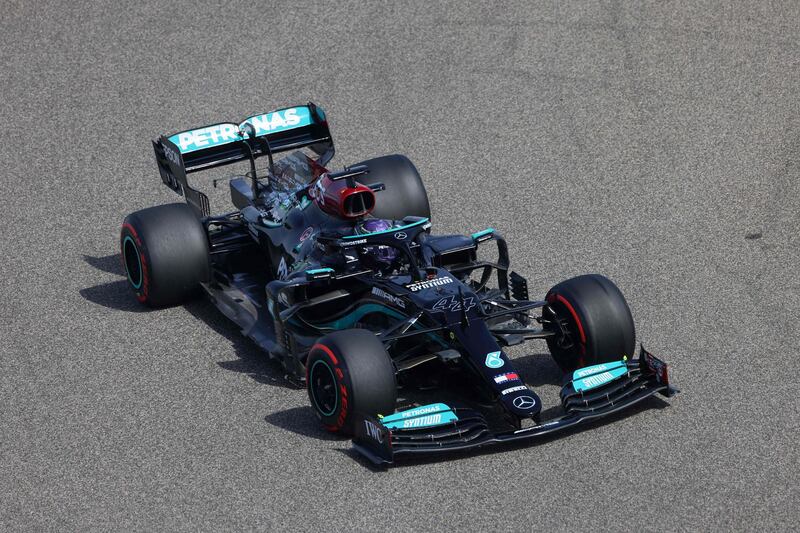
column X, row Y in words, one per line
column 336, row 274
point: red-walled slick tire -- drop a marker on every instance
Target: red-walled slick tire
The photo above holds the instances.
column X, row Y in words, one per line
column 597, row 319
column 349, row 372
column 165, row 254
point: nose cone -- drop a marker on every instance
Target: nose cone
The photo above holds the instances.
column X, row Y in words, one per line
column 520, row 400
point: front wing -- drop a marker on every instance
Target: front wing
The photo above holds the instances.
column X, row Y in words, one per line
column 467, row 429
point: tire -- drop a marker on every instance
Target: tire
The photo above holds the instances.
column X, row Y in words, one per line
column 349, row 372
column 405, row 194
column 165, row 254
column 597, row 318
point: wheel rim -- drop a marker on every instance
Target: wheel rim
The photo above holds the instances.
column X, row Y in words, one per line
column 133, row 263
column 566, row 347
column 323, row 388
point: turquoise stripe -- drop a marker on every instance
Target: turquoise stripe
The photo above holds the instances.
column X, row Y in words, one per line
column 435, row 414
column 482, row 233
column 390, row 230
column 138, row 259
column 318, row 270
column 585, row 379
column 357, row 314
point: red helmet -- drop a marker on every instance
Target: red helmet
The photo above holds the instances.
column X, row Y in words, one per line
column 338, row 199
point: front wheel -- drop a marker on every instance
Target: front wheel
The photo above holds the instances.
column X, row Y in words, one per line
column 350, row 372
column 592, row 321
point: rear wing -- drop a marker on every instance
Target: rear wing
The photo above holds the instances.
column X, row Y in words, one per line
column 285, row 129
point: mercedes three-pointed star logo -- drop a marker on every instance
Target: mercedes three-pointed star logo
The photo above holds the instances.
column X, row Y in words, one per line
column 524, row 402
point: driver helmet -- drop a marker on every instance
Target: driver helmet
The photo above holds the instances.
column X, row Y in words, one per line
column 381, row 253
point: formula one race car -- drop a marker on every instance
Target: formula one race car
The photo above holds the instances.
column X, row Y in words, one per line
column 338, row 277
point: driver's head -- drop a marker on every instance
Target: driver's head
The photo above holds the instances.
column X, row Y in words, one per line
column 384, row 255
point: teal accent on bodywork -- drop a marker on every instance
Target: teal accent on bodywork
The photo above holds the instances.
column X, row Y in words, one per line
column 591, row 377
column 357, row 314
column 480, row 234
column 390, row 230
column 311, row 377
column 226, row 133
column 596, row 369
column 314, row 271
column 304, row 202
column 350, row 319
column 435, row 414
column 494, row 360
column 136, row 286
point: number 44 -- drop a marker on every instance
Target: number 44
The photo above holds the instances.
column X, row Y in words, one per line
column 454, row 304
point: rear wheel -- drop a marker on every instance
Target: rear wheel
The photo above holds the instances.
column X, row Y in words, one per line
column 592, row 320
column 165, row 253
column 405, row 194
column 349, row 372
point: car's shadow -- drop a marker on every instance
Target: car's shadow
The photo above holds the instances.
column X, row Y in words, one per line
column 107, row 263
column 538, row 369
column 301, row 420
column 114, row 294
column 251, row 360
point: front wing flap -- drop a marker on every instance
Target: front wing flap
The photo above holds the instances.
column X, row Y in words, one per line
column 465, row 429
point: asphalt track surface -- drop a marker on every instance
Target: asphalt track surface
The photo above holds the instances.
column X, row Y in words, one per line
column 655, row 143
